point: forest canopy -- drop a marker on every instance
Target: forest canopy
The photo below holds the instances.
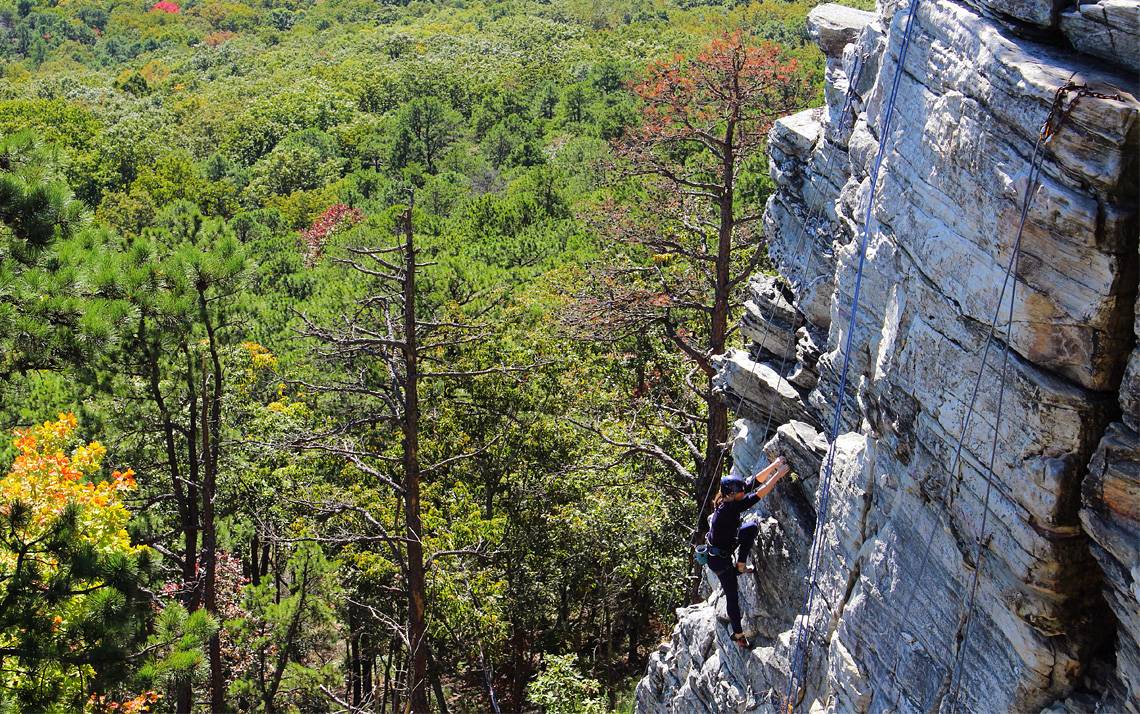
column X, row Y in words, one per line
column 254, row 254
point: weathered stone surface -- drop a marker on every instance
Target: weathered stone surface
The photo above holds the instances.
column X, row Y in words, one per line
column 833, row 27
column 1130, row 391
column 1111, row 515
column 769, row 320
column 803, row 446
column 1038, row 13
column 1108, row 29
column 800, row 221
column 756, row 390
column 954, row 179
column 805, row 375
column 899, row 539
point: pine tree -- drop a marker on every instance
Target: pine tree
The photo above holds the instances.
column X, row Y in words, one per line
column 39, row 310
column 72, row 605
column 175, row 292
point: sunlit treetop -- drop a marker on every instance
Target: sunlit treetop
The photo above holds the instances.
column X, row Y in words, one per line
column 54, row 469
column 731, row 84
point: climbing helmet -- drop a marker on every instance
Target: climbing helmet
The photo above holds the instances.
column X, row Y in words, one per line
column 732, row 484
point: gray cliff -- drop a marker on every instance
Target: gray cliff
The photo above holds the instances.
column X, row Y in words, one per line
column 1056, row 624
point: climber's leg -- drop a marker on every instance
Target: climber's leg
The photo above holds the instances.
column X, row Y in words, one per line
column 746, row 536
column 727, row 578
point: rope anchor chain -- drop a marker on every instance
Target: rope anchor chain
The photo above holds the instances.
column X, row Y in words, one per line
column 1060, row 111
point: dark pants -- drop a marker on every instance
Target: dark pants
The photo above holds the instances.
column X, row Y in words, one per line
column 725, row 571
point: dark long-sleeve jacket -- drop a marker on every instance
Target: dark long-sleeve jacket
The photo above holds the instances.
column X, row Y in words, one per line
column 725, row 522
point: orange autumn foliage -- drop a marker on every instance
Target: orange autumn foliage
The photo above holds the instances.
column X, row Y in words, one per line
column 52, row 471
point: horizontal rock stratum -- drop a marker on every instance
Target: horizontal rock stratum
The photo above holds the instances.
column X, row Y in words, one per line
column 1055, row 624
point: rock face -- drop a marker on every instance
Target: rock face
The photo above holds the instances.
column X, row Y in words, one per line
column 1109, row 29
column 899, row 542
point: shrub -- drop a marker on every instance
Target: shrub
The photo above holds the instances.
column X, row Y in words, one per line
column 562, row 689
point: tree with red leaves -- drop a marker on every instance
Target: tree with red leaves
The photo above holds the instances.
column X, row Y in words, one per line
column 686, row 222
column 335, row 217
column 170, row 8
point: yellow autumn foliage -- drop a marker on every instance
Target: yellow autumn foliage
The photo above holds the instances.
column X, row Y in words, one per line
column 50, row 472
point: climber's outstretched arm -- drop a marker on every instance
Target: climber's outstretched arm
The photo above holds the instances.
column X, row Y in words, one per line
column 767, row 471
column 776, row 471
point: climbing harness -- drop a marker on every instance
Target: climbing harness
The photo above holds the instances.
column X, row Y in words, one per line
column 803, row 259
column 704, row 551
column 803, row 630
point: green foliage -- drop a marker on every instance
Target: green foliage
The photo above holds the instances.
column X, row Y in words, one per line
column 54, row 121
column 39, row 218
column 153, row 210
column 285, row 639
column 561, row 688
column 177, row 647
column 302, row 161
column 424, row 128
column 133, row 83
column 36, row 206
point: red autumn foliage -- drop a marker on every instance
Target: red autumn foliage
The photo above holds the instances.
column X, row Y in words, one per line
column 687, row 213
column 723, row 99
column 170, row 8
column 335, row 218
column 704, row 120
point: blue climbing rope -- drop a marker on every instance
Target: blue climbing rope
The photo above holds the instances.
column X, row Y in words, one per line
column 803, row 258
column 802, row 632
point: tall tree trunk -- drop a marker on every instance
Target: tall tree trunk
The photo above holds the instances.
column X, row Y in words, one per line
column 193, row 515
column 417, row 626
column 610, row 695
column 367, row 665
column 254, row 558
column 187, row 502
column 437, row 684
column 210, row 542
column 184, row 694
column 398, row 680
column 353, row 685
column 265, row 550
column 716, row 426
column 387, row 676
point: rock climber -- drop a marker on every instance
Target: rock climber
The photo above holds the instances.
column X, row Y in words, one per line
column 726, row 536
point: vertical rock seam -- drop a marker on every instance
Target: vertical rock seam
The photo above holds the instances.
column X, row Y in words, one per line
column 1057, row 623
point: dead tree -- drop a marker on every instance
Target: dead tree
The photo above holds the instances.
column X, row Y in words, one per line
column 381, row 347
column 684, row 225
